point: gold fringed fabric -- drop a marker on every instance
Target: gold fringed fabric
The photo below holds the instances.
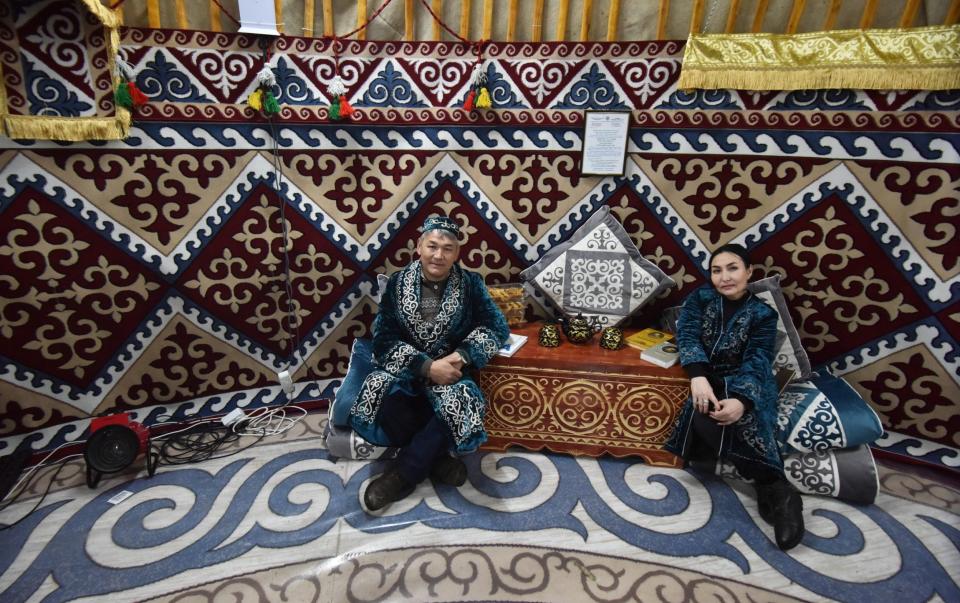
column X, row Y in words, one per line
column 45, row 127
column 74, row 129
column 922, row 58
column 104, row 14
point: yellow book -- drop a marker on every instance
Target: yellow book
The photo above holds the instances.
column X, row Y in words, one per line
column 647, row 338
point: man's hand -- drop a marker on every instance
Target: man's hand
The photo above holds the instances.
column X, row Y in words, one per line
column 728, row 411
column 442, row 372
column 702, row 394
column 455, row 360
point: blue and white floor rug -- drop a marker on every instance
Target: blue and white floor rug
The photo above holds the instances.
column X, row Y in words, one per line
column 282, row 521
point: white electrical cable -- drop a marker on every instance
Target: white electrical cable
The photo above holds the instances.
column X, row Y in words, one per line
column 269, row 423
column 30, row 472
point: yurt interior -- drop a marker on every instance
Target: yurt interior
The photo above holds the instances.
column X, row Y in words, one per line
column 244, row 242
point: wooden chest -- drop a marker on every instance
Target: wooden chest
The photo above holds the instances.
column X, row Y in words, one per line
column 582, row 400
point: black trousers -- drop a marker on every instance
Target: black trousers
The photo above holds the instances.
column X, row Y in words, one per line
column 411, row 424
column 708, row 441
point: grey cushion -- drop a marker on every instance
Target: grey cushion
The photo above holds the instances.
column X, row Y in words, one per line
column 849, row 474
column 598, row 272
column 789, row 352
column 344, row 443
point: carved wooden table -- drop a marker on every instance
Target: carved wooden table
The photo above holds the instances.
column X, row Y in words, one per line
column 582, row 400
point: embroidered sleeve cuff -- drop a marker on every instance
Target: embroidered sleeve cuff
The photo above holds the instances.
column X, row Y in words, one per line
column 425, row 368
column 696, row 369
column 420, row 364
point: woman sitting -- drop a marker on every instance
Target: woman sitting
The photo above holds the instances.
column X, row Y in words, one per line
column 726, row 337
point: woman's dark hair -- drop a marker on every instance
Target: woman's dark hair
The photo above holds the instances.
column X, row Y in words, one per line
column 734, row 248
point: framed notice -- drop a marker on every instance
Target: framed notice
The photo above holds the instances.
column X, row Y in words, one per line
column 604, row 143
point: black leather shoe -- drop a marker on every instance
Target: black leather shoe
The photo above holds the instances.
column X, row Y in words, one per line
column 389, row 487
column 449, row 470
column 785, row 509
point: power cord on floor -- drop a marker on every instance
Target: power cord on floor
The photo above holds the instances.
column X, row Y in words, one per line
column 30, row 472
column 269, row 422
column 61, row 464
column 198, row 442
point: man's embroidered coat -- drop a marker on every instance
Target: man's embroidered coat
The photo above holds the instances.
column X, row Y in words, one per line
column 402, row 341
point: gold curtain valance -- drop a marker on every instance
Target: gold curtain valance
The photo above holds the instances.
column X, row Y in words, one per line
column 922, row 58
column 44, row 127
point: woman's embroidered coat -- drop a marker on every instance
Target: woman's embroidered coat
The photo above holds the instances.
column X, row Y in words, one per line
column 402, row 341
column 739, row 355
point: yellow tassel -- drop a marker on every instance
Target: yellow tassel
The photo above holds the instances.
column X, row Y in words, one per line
column 483, row 99
column 23, row 127
column 256, row 100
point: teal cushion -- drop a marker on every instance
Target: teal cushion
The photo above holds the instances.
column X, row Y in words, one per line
column 822, row 414
column 361, row 364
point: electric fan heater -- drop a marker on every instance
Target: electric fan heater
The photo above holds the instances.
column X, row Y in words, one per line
column 114, row 443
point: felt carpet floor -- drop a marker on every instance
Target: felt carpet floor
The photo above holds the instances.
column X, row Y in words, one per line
column 282, row 521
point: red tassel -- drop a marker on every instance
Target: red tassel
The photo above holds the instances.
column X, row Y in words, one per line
column 346, row 109
column 139, row 98
column 468, row 104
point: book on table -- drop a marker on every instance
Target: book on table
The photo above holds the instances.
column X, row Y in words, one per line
column 514, row 343
column 663, row 354
column 647, row 338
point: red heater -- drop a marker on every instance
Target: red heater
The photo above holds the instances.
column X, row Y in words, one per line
column 114, row 443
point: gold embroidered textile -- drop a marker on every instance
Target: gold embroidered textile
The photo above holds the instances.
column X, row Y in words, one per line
column 922, row 58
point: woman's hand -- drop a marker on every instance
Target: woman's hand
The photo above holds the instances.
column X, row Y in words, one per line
column 728, row 411
column 702, row 394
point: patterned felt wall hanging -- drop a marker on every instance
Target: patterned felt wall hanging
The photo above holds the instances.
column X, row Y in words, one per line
column 149, row 274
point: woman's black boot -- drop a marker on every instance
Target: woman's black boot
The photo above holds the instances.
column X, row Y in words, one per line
column 780, row 504
column 765, row 502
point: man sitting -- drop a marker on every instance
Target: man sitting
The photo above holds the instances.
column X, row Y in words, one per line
column 435, row 320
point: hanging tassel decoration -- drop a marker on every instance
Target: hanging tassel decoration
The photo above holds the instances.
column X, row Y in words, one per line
column 479, row 95
column 127, row 95
column 346, row 109
column 255, row 100
column 270, row 104
column 263, row 99
column 335, row 109
column 122, row 96
column 337, row 92
column 138, row 98
column 483, row 99
column 266, row 77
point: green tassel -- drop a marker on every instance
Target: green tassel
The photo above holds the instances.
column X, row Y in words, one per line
column 122, row 96
column 335, row 109
column 270, row 104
